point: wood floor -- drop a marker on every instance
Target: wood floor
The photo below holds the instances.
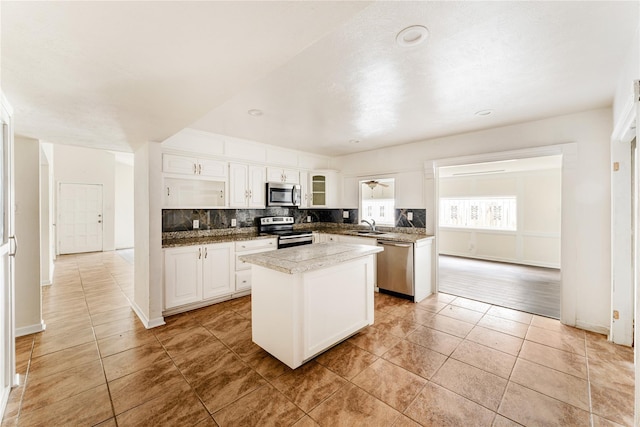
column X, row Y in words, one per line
column 532, row 289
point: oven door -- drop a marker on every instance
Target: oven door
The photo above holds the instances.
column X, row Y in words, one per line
column 279, row 194
column 291, row 241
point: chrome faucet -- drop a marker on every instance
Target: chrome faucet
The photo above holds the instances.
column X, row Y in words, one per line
column 371, row 224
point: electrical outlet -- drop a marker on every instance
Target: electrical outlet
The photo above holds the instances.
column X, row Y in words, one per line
column 196, row 224
column 345, row 214
column 309, row 218
column 410, row 216
column 233, row 222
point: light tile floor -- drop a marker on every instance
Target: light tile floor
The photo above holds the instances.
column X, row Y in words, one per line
column 445, row 361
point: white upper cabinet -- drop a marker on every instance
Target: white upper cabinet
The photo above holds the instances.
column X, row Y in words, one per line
column 193, row 193
column 194, row 166
column 246, row 186
column 305, row 190
column 291, row 176
column 324, row 189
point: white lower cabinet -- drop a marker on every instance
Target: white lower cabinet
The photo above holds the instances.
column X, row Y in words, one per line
column 196, row 273
column 217, row 270
column 182, row 276
column 243, row 269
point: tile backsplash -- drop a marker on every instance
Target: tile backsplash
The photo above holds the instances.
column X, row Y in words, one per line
column 182, row 219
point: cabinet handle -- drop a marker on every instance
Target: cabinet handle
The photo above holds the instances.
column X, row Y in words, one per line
column 195, row 169
column 205, row 252
column 250, row 193
column 199, row 253
column 199, row 169
column 168, row 191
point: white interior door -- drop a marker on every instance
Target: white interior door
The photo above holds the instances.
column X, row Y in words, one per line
column 7, row 240
column 79, row 218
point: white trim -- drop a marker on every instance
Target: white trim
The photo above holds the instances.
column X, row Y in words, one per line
column 45, row 283
column 569, row 152
column 4, row 399
column 622, row 263
column 623, row 130
column 148, row 323
column 32, row 329
column 592, row 327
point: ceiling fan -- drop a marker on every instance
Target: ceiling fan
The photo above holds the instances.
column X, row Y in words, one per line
column 372, row 184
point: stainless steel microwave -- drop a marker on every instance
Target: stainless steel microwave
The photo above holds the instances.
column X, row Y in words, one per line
column 283, row 194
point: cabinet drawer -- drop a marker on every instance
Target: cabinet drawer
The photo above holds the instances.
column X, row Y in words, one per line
column 252, row 245
column 241, row 265
column 243, row 280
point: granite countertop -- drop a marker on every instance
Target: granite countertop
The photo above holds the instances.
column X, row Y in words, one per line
column 301, row 259
column 396, row 237
column 210, row 239
column 205, row 237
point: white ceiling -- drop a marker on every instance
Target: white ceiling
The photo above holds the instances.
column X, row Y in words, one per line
column 115, row 74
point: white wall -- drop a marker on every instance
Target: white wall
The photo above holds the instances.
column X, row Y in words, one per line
column 628, row 74
column 28, row 300
column 591, row 131
column 76, row 165
column 148, row 286
column 46, row 217
column 537, row 238
column 123, row 202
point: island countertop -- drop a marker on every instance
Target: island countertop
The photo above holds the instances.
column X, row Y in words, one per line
column 301, row 259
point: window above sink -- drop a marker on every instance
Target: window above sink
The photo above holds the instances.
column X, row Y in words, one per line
column 377, row 200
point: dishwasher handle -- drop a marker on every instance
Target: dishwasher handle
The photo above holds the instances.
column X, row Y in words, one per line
column 401, row 245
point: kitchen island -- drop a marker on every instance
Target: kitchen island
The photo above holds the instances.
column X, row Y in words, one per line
column 308, row 298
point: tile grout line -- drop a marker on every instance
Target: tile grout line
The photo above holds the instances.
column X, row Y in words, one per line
column 586, row 359
column 106, row 381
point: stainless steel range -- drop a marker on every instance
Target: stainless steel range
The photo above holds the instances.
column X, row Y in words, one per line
column 282, row 226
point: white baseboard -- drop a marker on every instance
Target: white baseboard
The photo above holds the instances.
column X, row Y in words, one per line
column 4, row 399
column 46, row 283
column 593, row 328
column 32, row 329
column 148, row 323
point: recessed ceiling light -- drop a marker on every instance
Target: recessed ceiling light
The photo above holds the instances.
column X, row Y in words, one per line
column 412, row 36
column 255, row 112
column 484, row 113
column 354, row 141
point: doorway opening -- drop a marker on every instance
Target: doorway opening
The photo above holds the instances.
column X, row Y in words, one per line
column 499, row 233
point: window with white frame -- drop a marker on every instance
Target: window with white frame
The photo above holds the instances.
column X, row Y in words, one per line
column 492, row 213
column 377, row 200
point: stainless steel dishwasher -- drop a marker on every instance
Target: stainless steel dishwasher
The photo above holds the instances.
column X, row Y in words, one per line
column 395, row 268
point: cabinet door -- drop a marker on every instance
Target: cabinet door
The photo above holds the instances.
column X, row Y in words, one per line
column 172, row 163
column 275, row 175
column 212, row 168
column 238, row 188
column 291, row 176
column 171, row 192
column 318, row 190
column 257, row 187
column 217, row 267
column 305, row 200
column 182, row 276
